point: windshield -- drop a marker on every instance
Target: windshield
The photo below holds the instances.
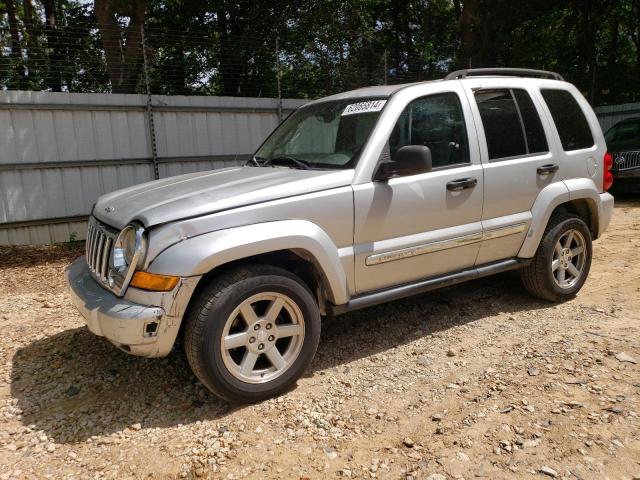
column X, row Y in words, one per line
column 323, row 135
column 624, row 134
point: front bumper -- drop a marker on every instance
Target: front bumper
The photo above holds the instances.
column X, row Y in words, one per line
column 630, row 173
column 148, row 331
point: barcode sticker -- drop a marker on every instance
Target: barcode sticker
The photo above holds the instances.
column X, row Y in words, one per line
column 364, row 107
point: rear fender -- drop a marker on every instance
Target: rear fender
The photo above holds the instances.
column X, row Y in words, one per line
column 547, row 200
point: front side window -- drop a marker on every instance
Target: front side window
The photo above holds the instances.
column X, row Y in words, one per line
column 324, row 135
column 570, row 121
column 437, row 122
column 511, row 123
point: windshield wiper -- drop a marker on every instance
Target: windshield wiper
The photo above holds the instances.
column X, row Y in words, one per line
column 303, row 165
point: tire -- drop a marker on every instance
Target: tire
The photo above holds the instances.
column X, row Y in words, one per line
column 285, row 319
column 543, row 277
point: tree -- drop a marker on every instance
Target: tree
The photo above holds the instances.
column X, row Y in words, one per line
column 122, row 44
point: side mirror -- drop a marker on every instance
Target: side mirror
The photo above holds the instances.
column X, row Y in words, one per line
column 408, row 160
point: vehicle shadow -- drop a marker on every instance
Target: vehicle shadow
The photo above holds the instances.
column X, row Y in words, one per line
column 73, row 385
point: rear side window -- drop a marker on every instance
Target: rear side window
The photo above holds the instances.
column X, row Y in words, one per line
column 533, row 130
column 511, row 123
column 570, row 121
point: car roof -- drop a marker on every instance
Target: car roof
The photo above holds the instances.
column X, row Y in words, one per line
column 386, row 91
column 373, row 91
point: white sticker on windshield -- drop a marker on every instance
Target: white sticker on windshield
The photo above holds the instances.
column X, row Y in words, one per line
column 364, row 107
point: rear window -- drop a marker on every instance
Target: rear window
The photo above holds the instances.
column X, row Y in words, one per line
column 570, row 121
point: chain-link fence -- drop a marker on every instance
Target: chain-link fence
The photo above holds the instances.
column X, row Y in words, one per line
column 148, row 59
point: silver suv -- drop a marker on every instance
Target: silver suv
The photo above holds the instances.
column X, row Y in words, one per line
column 355, row 199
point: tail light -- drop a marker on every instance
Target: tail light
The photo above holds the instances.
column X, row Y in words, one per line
column 607, row 176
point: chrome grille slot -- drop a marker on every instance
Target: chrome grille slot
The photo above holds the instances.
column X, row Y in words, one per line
column 626, row 160
column 100, row 239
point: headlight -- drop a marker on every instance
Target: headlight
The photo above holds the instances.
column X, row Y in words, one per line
column 130, row 247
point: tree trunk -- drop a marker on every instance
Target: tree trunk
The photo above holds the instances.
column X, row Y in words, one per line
column 124, row 58
column 56, row 58
column 468, row 26
column 16, row 48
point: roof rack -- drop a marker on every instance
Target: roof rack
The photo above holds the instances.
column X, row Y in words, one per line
column 511, row 72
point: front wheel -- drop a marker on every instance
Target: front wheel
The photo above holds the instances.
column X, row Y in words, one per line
column 561, row 264
column 252, row 333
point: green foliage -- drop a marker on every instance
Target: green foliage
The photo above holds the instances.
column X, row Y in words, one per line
column 224, row 47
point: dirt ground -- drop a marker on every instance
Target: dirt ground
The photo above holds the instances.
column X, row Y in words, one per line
column 475, row 381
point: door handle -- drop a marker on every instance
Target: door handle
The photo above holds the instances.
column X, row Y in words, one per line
column 461, row 184
column 547, row 169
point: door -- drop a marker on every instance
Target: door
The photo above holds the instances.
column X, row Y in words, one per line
column 417, row 226
column 517, row 158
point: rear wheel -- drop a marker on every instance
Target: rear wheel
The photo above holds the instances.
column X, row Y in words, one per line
column 561, row 264
column 252, row 333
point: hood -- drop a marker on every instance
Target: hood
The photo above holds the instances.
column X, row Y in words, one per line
column 201, row 193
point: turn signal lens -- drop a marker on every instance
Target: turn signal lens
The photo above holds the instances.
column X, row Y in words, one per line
column 154, row 281
column 607, row 176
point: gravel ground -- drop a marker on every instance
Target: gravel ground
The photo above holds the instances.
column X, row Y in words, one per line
column 478, row 380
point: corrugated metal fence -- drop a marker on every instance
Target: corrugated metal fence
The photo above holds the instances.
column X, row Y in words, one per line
column 612, row 114
column 59, row 152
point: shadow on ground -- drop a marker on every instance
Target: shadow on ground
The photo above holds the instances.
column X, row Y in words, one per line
column 73, row 385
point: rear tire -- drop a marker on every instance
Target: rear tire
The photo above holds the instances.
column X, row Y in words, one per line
column 563, row 259
column 252, row 333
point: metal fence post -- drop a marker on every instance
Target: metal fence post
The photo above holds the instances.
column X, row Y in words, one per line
column 152, row 128
column 278, row 81
column 386, row 66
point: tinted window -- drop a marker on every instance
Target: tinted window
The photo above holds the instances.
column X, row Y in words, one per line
column 502, row 127
column 624, row 135
column 437, row 122
column 571, row 123
column 536, row 140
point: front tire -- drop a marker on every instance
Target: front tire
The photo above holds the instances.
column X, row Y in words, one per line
column 563, row 259
column 252, row 333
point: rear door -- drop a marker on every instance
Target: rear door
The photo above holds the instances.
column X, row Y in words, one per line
column 518, row 159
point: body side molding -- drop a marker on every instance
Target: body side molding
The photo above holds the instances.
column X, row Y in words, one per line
column 437, row 246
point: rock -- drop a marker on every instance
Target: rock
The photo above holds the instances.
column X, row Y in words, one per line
column 625, row 357
column 331, row 453
column 436, row 418
column 72, row 391
column 548, row 471
column 451, row 353
column 436, row 476
column 463, row 457
column 136, row 427
column 408, row 442
column 51, row 448
column 614, row 409
column 533, row 372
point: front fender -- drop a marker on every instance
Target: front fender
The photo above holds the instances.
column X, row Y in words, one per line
column 201, row 254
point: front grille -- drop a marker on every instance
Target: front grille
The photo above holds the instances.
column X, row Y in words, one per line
column 99, row 244
column 626, row 160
